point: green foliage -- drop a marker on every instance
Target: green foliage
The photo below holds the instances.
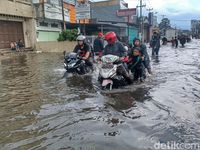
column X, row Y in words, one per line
column 68, row 35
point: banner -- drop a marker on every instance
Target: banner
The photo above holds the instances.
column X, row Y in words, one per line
column 55, row 12
column 82, row 9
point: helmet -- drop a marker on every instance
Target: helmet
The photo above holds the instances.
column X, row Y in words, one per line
column 111, row 37
column 81, row 38
column 100, row 34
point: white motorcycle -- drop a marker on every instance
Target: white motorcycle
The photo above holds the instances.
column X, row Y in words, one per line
column 108, row 75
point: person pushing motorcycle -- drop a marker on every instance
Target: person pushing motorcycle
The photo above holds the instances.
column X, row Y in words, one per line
column 116, row 48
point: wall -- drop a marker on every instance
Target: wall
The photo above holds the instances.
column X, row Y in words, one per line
column 133, row 33
column 16, row 9
column 29, row 32
column 106, row 13
column 55, row 46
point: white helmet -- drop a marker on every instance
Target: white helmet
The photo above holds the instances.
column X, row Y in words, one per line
column 81, row 38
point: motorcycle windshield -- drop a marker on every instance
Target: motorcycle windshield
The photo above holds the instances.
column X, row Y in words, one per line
column 109, row 59
column 72, row 55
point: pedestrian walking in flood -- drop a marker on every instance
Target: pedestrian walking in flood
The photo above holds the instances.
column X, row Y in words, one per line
column 155, row 43
column 176, row 42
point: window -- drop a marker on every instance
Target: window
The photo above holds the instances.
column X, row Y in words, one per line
column 54, row 25
column 44, row 24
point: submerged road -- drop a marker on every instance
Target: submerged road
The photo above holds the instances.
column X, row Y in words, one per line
column 41, row 110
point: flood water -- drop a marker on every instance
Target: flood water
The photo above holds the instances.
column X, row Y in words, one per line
column 41, row 110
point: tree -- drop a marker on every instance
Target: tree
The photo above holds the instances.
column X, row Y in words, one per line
column 68, row 35
column 164, row 25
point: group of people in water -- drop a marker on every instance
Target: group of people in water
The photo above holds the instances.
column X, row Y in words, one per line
column 175, row 41
column 134, row 57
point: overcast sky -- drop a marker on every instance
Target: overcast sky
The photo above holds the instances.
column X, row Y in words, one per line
column 180, row 12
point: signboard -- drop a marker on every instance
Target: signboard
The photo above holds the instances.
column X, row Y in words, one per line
column 82, row 9
column 55, row 12
column 126, row 12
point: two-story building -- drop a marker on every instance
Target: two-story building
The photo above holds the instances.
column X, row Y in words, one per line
column 49, row 19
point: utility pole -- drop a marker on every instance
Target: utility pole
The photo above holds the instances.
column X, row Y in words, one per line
column 150, row 23
column 141, row 21
column 63, row 16
column 128, row 28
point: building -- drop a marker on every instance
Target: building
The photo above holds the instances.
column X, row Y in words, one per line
column 70, row 6
column 195, row 28
column 49, row 19
column 17, row 23
column 106, row 14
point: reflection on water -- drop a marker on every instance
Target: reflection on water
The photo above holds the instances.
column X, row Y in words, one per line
column 41, row 110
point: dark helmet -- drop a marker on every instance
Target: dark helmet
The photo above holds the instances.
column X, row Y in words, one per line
column 111, row 37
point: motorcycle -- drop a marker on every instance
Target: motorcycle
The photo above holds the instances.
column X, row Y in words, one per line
column 74, row 64
column 108, row 74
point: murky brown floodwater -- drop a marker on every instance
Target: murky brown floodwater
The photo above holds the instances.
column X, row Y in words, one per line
column 41, row 110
